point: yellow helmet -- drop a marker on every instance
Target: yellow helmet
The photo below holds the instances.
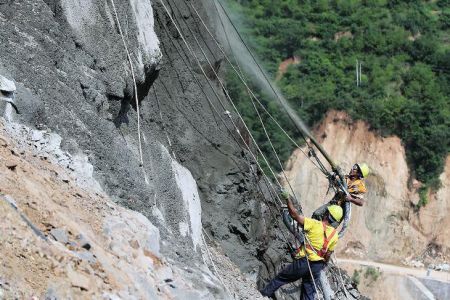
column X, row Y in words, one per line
column 364, row 168
column 336, row 212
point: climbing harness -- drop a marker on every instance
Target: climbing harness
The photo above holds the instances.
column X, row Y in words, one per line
column 326, row 240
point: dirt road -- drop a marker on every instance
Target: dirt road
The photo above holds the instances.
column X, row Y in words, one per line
column 400, row 270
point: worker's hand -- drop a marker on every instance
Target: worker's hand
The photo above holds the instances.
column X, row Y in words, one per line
column 348, row 198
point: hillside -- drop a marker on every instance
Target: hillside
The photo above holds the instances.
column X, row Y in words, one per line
column 403, row 49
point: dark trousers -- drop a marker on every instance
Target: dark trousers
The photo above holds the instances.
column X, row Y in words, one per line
column 298, row 269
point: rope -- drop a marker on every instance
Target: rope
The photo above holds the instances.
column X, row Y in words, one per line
column 309, row 267
column 229, row 115
column 215, row 93
column 236, row 110
column 340, row 276
column 162, row 123
column 226, row 92
column 264, row 128
column 134, row 83
column 218, row 97
column 243, row 80
column 266, row 180
column 259, row 67
column 276, row 155
column 256, row 109
column 214, row 265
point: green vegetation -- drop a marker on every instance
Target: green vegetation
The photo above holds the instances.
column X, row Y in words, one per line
column 404, row 48
column 372, row 273
column 423, row 198
column 356, row 277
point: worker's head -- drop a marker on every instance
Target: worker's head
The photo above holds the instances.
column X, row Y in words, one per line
column 334, row 215
column 360, row 170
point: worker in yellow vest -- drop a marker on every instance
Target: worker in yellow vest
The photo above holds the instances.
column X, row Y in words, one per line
column 356, row 189
column 312, row 256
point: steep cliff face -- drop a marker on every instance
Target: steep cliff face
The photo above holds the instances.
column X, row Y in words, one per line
column 387, row 228
column 74, row 81
column 73, row 76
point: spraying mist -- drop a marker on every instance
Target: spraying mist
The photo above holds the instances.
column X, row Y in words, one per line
column 228, row 35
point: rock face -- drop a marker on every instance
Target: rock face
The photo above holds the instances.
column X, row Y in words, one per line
column 74, row 83
column 70, row 65
column 387, row 228
column 63, row 240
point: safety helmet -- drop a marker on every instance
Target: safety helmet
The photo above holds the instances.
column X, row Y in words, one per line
column 364, row 169
column 336, row 212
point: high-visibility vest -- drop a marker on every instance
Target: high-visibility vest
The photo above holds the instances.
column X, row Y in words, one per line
column 326, row 240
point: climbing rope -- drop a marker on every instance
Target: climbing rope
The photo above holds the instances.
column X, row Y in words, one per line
column 226, row 93
column 258, row 65
column 266, row 180
column 162, row 123
column 340, row 276
column 312, row 277
column 228, row 114
column 271, row 190
column 218, row 97
column 189, row 67
column 244, row 81
column 134, row 83
column 237, row 111
column 214, row 265
column 255, row 108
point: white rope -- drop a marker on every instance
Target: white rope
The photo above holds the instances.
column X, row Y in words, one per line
column 340, row 276
column 246, row 85
column 309, row 267
column 229, row 115
column 226, row 93
column 218, row 97
column 236, row 110
column 162, row 123
column 231, row 101
column 214, row 265
column 134, row 82
column 254, row 106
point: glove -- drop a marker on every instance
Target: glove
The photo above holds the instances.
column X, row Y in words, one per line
column 284, row 194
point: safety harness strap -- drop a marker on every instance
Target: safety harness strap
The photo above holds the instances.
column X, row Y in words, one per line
column 326, row 241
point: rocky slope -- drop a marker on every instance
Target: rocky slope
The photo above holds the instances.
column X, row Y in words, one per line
column 74, row 84
column 62, row 239
column 72, row 75
column 388, row 228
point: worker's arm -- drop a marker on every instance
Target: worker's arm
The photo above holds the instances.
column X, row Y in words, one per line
column 291, row 225
column 354, row 200
column 294, row 214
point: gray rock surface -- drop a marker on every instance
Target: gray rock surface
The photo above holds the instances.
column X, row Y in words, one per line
column 73, row 76
column 74, row 84
column 60, row 235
